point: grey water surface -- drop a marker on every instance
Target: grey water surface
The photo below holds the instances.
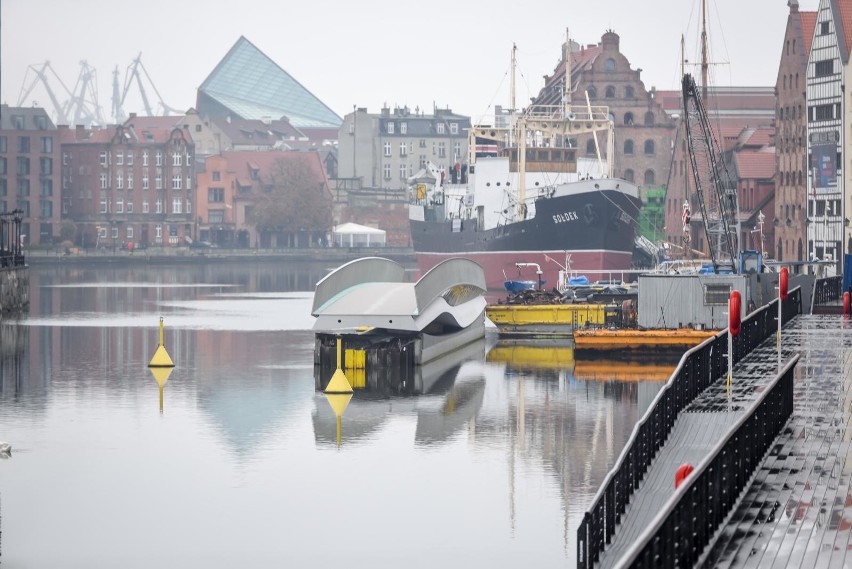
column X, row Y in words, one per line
column 238, row 462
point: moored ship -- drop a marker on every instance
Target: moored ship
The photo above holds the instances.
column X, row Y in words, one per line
column 525, row 196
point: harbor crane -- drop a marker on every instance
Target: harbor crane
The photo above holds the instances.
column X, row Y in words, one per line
column 135, row 73
column 40, row 74
column 715, row 191
column 81, row 105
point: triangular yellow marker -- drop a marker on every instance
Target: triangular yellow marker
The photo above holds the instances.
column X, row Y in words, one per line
column 161, row 376
column 338, row 383
column 161, row 356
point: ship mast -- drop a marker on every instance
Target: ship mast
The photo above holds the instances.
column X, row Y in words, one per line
column 512, row 102
column 704, row 64
column 566, row 102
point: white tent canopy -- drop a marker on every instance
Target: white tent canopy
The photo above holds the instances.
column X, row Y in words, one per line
column 354, row 235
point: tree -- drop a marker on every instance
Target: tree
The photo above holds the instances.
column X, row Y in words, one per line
column 296, row 200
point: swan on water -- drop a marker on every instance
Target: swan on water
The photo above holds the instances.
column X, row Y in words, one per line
column 5, row 450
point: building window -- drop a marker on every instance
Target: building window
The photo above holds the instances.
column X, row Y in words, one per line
column 823, row 28
column 145, row 206
column 129, row 231
column 129, row 207
column 46, row 144
column 159, row 205
column 159, row 161
column 23, row 186
column 103, row 159
column 389, row 127
column 145, row 158
column 454, row 128
column 176, row 182
column 628, row 92
column 158, row 232
column 144, row 181
column 103, row 181
column 403, row 128
column 119, row 206
column 456, row 150
column 592, row 92
column 23, row 166
column 823, row 112
column 188, row 206
column 609, row 65
column 217, row 176
column 129, row 181
column 590, row 146
column 176, row 205
column 649, row 147
column 387, row 171
column 119, row 181
column 24, row 144
column 41, row 123
column 46, row 208
column 158, row 181
column 129, row 158
column 628, row 118
column 176, row 159
column 119, row 159
column 628, row 175
column 403, row 172
column 103, row 206
column 422, row 143
column 649, row 178
column 628, row 147
column 217, row 216
column 610, row 92
column 3, row 144
column 387, row 148
column 442, row 150
column 3, row 170
column 439, row 128
column 24, row 206
column 403, row 149
column 823, row 68
column 422, row 160
column 216, row 195
column 189, row 182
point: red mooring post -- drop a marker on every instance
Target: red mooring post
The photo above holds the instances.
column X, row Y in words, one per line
column 847, row 304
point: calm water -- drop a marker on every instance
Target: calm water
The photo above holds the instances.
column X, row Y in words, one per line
column 238, row 462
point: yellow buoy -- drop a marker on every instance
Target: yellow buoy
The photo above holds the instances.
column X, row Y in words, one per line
column 338, row 403
column 161, row 356
column 161, row 376
column 338, row 383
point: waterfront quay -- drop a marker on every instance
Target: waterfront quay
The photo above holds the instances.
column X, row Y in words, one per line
column 769, row 485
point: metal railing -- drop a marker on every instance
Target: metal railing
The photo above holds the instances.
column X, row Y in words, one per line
column 679, row 534
column 699, row 367
column 11, row 250
column 826, row 290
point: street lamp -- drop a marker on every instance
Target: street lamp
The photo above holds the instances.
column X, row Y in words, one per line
column 760, row 219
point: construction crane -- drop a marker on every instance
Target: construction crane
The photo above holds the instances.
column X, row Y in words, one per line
column 40, row 73
column 715, row 191
column 135, row 72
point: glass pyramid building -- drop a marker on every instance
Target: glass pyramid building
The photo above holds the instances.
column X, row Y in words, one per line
column 247, row 84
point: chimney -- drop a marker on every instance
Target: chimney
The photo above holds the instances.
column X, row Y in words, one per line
column 79, row 131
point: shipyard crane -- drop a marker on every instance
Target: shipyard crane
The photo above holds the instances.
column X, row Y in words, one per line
column 135, row 72
column 83, row 106
column 715, row 191
column 40, row 73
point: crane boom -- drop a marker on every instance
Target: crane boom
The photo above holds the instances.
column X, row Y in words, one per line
column 41, row 74
column 714, row 190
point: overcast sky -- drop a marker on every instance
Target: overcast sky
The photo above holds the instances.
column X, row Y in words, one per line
column 447, row 53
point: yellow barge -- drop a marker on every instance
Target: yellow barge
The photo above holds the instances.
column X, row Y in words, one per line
column 552, row 320
column 653, row 339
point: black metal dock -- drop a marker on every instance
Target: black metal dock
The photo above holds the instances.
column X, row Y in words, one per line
column 771, row 486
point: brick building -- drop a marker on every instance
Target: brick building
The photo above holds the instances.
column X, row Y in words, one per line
column 228, row 190
column 29, row 172
column 128, row 185
column 643, row 130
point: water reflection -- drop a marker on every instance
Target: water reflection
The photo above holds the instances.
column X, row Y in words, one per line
column 510, row 439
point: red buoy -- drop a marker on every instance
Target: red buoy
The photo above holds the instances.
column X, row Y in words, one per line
column 783, row 283
column 681, row 473
column 734, row 308
column 847, row 304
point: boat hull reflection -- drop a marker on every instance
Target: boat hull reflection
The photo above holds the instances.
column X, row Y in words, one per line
column 444, row 395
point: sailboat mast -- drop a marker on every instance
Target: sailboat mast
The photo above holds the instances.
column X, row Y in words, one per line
column 512, row 103
column 704, row 63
